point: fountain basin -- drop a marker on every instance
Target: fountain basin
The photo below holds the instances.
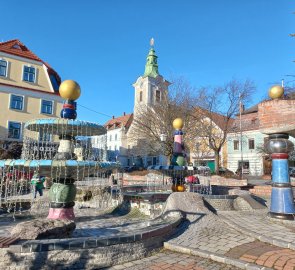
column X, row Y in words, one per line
column 74, row 169
column 61, row 126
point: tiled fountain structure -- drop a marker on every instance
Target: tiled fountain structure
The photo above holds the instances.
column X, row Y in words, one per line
column 108, row 241
column 277, row 119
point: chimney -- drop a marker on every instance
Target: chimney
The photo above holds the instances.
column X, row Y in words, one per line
column 124, row 113
column 113, row 117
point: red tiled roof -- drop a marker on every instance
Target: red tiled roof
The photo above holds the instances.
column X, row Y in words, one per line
column 220, row 120
column 17, row 48
column 121, row 121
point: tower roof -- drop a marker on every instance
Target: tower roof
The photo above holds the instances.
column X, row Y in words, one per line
column 151, row 66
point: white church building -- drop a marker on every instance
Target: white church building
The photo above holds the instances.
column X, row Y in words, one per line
column 149, row 89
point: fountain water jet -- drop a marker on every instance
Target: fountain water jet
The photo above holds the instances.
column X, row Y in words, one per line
column 66, row 166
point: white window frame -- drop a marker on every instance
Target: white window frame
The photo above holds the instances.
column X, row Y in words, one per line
column 30, row 66
column 6, row 72
column 251, row 139
column 20, row 132
column 52, row 102
column 10, row 99
column 238, row 145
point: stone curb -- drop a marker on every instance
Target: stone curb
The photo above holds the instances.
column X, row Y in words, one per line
column 269, row 240
column 93, row 242
column 214, row 256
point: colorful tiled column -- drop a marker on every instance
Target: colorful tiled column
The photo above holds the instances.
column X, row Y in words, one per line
column 178, row 158
column 63, row 191
column 282, row 202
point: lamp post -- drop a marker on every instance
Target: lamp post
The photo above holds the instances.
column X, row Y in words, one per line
column 241, row 137
column 163, row 138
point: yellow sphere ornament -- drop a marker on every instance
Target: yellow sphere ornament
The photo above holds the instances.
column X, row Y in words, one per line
column 178, row 123
column 276, row 91
column 69, row 89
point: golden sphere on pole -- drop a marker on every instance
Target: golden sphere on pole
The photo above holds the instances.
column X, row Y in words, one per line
column 69, row 89
column 178, row 123
column 276, row 91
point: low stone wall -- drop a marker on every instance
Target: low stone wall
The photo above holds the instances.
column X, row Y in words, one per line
column 264, row 191
column 133, row 179
column 221, row 202
column 151, row 178
column 85, row 253
column 151, row 209
column 222, row 181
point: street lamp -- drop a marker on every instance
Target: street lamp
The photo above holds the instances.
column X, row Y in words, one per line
column 163, row 138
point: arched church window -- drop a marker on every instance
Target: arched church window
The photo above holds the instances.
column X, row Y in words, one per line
column 158, row 96
column 140, row 96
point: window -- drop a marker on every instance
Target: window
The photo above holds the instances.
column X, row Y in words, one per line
column 158, row 96
column 29, row 74
column 236, row 145
column 115, row 147
column 116, row 137
column 110, row 138
column 3, row 68
column 251, row 144
column 16, row 102
column 140, row 96
column 54, row 82
column 14, row 129
column 44, row 136
column 46, row 106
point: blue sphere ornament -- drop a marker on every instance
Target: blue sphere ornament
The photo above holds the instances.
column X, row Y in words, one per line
column 68, row 113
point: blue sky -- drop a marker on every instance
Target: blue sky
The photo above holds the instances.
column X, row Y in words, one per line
column 103, row 44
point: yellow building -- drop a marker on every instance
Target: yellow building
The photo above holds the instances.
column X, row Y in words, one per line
column 28, row 89
column 212, row 125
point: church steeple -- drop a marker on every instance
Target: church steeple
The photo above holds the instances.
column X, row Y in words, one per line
column 151, row 66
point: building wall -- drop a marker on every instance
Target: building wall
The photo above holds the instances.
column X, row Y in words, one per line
column 32, row 93
column 254, row 156
column 116, row 145
column 149, row 86
column 15, row 73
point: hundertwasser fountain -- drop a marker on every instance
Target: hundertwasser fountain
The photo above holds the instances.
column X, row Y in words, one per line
column 178, row 171
column 277, row 119
column 66, row 166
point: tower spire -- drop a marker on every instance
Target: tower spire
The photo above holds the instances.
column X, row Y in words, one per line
column 151, row 66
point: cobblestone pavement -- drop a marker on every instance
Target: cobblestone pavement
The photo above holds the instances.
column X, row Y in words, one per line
column 210, row 234
column 258, row 225
column 265, row 255
column 170, row 260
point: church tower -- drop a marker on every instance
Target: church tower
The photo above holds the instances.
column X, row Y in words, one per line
column 150, row 88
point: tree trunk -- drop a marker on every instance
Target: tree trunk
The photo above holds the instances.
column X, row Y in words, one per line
column 216, row 156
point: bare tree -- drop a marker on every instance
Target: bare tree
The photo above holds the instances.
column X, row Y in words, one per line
column 152, row 121
column 215, row 111
column 12, row 150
